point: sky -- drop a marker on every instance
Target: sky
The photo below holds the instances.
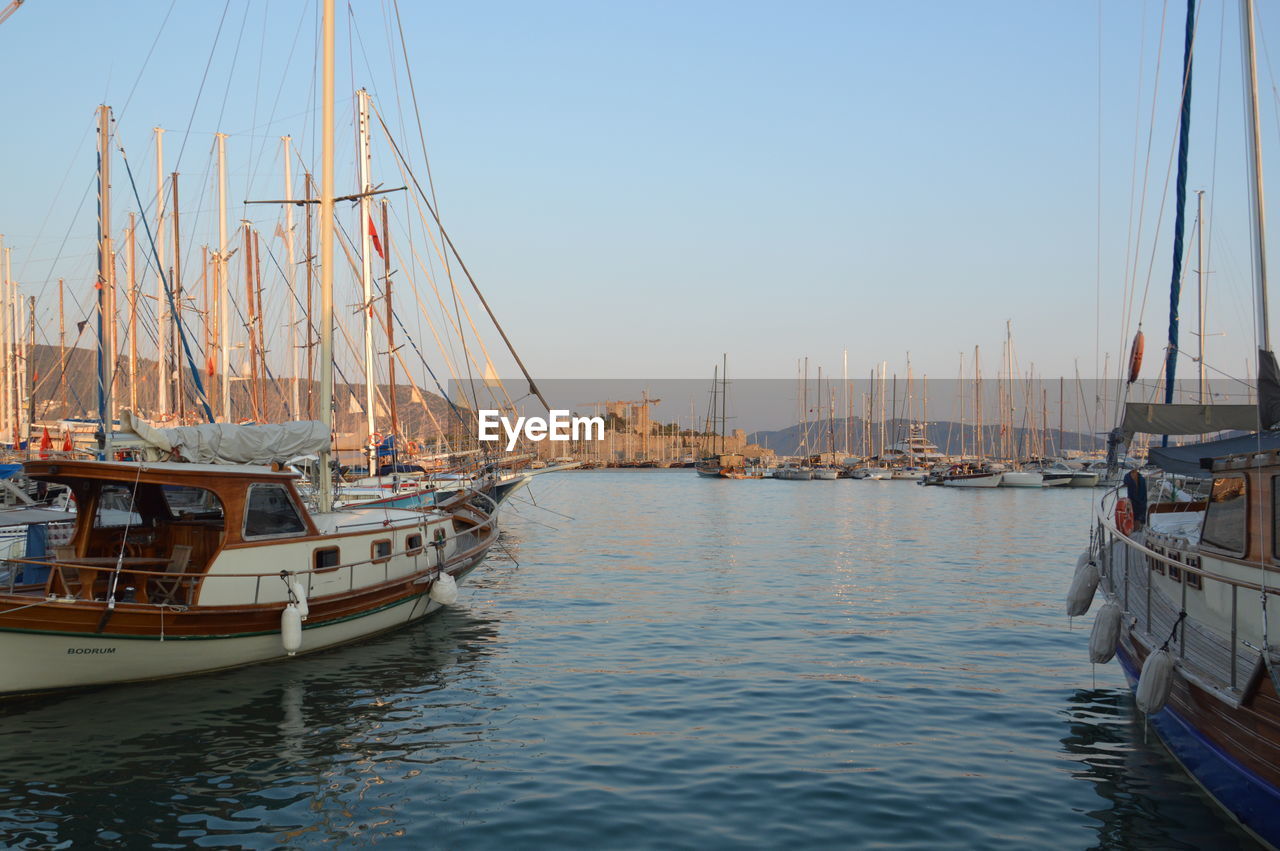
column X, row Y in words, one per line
column 640, row 188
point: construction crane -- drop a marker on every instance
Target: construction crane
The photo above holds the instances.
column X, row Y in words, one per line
column 10, row 9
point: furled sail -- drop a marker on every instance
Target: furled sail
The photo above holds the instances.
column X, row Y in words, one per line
column 224, row 443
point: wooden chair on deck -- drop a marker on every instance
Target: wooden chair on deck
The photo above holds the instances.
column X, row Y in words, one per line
column 74, row 581
column 168, row 586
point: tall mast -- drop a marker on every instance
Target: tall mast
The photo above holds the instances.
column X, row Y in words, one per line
column 62, row 349
column 1180, row 213
column 130, row 270
column 391, row 335
column 1258, row 212
column 162, row 301
column 293, row 292
column 724, row 393
column 977, row 405
column 366, row 279
column 175, row 316
column 326, row 254
column 30, row 373
column 222, row 292
column 311, row 349
column 105, row 355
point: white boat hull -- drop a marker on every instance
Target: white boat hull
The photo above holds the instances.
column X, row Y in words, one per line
column 36, row 662
column 1022, row 479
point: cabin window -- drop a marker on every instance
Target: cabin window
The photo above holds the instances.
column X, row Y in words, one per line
column 327, row 558
column 269, row 512
column 117, row 507
column 1193, row 579
column 381, row 550
column 188, row 503
column 1224, row 519
column 413, row 544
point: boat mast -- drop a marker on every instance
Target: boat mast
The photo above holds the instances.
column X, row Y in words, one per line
column 222, row 291
column 1257, row 212
column 62, row 348
column 326, row 255
column 391, row 336
column 724, row 392
column 104, row 281
column 1180, row 213
column 175, row 315
column 366, row 279
column 978, row 442
column 293, row 293
column 130, row 269
column 162, row 303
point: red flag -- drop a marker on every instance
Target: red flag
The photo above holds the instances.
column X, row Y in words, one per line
column 66, row 443
column 377, row 243
column 46, row 443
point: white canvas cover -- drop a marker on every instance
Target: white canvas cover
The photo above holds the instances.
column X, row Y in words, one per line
column 224, row 443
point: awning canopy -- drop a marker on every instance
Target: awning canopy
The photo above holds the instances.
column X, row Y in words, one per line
column 1147, row 418
column 1185, row 460
column 27, row 516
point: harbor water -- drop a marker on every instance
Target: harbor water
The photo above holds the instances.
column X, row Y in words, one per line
column 655, row 660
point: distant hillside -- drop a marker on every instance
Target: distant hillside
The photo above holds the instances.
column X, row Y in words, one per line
column 949, row 437
column 73, row 393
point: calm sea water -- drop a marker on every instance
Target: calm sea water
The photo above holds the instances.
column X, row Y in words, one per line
column 657, row 661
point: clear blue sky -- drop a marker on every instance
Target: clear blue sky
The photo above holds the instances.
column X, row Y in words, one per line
column 640, row 187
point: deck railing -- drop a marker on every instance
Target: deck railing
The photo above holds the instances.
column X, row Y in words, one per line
column 1223, row 663
column 70, row 575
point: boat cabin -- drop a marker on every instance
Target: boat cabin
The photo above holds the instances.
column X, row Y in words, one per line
column 166, row 518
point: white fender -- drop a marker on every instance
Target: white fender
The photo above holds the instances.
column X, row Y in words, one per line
column 291, row 629
column 1155, row 682
column 1105, row 635
column 444, row 590
column 1083, row 586
column 300, row 594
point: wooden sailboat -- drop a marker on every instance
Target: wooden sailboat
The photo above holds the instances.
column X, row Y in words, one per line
column 179, row 568
column 1188, row 586
column 720, row 464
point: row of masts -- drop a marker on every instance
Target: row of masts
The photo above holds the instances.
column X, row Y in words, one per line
column 175, row 309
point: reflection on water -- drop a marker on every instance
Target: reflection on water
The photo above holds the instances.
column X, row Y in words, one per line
column 687, row 663
column 1148, row 801
column 173, row 761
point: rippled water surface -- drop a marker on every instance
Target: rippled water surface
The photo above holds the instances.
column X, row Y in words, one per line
column 657, row 660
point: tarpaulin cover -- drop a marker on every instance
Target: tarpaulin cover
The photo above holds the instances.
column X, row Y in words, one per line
column 1147, row 418
column 223, row 443
column 1185, row 460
